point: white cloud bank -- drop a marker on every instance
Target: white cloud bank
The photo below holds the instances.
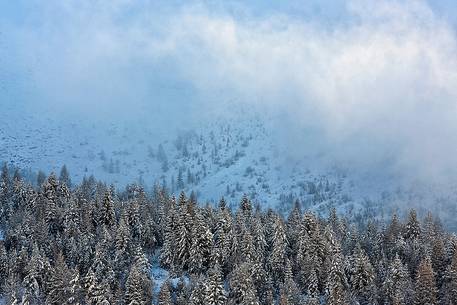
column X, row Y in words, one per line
column 380, row 85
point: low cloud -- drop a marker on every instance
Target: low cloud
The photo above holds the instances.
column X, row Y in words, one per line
column 377, row 87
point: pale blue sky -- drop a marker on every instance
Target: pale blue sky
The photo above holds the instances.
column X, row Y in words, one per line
column 326, row 10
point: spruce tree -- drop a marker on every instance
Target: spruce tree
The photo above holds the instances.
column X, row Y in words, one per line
column 97, row 291
column 138, row 287
column 214, row 292
column 108, row 217
column 222, row 236
column 61, row 287
column 412, row 228
column 336, row 282
column 165, row 294
column 242, row 287
column 397, row 283
column 449, row 288
column 183, row 234
column 202, row 243
column 425, row 288
column 362, row 278
column 278, row 252
column 167, row 256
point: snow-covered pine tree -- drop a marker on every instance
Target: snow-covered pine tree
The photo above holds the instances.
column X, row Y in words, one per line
column 312, row 291
column 412, row 228
column 242, row 287
column 259, row 239
column 138, row 288
column 248, row 253
column 362, row 278
column 202, row 243
column 425, row 288
column 183, row 232
column 164, row 297
column 397, row 285
column 60, row 285
column 311, row 251
column 134, row 218
column 108, row 217
column 448, row 291
column 222, row 236
column 293, row 230
column 197, row 296
column 123, row 244
column 277, row 256
column 50, row 193
column 439, row 259
column 246, row 206
column 336, row 282
column 393, row 233
column 167, row 256
column 289, row 292
column 5, row 187
column 214, row 291
column 97, row 292
column 34, row 274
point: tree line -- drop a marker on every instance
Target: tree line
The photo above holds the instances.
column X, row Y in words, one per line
column 91, row 244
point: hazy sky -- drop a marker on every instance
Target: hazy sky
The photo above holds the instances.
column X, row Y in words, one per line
column 376, row 79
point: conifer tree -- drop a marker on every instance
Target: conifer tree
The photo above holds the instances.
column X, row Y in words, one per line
column 439, row 259
column 61, row 284
column 412, row 229
column 50, row 193
column 222, row 236
column 289, row 292
column 246, row 206
column 97, row 291
column 293, row 229
column 392, row 234
column 312, row 250
column 336, row 282
column 202, row 242
column 425, row 288
column 33, row 280
column 107, row 214
column 242, row 287
column 247, row 249
column 164, row 294
column 134, row 219
column 312, row 289
column 138, row 287
column 397, row 283
column 5, row 193
column 183, row 240
column 214, row 292
column 362, row 278
column 278, row 252
column 167, row 256
column 449, row 288
column 123, row 244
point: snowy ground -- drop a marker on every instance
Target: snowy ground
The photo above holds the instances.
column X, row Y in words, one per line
column 218, row 157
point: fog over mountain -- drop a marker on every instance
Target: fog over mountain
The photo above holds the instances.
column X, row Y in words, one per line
column 369, row 87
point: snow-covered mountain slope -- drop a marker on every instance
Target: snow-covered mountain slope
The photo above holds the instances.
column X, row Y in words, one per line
column 229, row 157
column 222, row 157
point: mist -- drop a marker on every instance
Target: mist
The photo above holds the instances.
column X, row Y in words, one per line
column 375, row 82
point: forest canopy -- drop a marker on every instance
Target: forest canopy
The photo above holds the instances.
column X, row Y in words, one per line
column 92, row 244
